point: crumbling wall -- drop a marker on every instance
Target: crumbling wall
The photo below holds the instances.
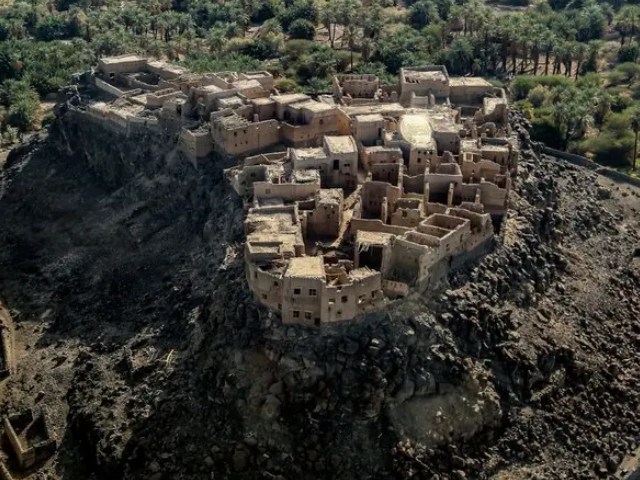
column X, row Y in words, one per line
column 286, row 191
column 107, row 88
column 375, row 225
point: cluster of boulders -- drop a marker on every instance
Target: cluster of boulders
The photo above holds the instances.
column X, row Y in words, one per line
column 507, row 365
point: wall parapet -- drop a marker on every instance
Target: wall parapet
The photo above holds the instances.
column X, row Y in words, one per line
column 591, row 165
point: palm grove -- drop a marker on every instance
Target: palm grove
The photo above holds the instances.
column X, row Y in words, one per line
column 569, row 59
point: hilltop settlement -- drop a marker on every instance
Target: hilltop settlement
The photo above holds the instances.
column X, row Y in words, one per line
column 352, row 198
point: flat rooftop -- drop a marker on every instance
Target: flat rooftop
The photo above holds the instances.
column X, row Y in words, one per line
column 330, row 195
column 467, row 145
column 444, row 126
column 494, row 148
column 341, row 144
column 259, row 74
column 489, row 104
column 416, row 129
column 431, row 76
column 306, row 267
column 290, row 98
column 468, row 82
column 369, row 118
column 167, row 67
column 382, row 148
column 231, row 121
column 315, row 106
column 212, row 89
column 374, row 238
column 246, row 84
column 263, row 220
column 231, row 101
column 361, row 273
column 122, row 59
column 384, row 109
column 262, row 101
column 306, row 176
column 310, row 153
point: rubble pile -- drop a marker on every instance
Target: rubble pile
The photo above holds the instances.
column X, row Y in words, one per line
column 155, row 364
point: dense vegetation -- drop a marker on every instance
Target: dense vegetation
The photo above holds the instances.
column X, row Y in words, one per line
column 573, row 61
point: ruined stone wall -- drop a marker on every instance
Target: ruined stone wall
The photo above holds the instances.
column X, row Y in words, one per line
column 324, row 220
column 370, row 157
column 265, row 111
column 305, row 135
column 406, row 217
column 469, row 94
column 246, row 138
column 350, row 300
column 492, row 196
column 196, row 144
column 465, row 193
column 373, row 196
column 439, row 183
column 287, row 191
column 419, row 160
column 360, row 87
column 447, row 141
column 405, row 260
column 413, row 184
column 267, row 287
column 307, row 305
column 375, row 225
column 107, row 88
column 368, row 132
column 476, row 170
column 499, row 156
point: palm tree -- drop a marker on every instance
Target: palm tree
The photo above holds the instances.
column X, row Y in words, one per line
column 569, row 55
column 549, row 45
column 635, row 126
column 580, row 55
column 367, row 48
column 271, row 25
column 328, row 21
column 351, row 36
column 243, row 20
column 155, row 49
column 573, row 113
column 216, row 39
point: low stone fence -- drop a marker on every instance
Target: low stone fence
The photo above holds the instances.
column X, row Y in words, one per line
column 590, row 164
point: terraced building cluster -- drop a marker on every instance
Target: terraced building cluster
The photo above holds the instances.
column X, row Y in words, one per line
column 353, row 197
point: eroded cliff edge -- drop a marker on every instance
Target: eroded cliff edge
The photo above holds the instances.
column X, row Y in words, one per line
column 122, row 264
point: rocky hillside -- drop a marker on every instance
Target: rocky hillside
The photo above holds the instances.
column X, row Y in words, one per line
column 121, row 263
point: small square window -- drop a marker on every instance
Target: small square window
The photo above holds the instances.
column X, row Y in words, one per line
column 338, row 313
column 264, row 296
column 279, row 306
column 345, row 299
column 276, row 284
column 307, row 315
column 312, row 292
column 296, row 291
column 296, row 314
